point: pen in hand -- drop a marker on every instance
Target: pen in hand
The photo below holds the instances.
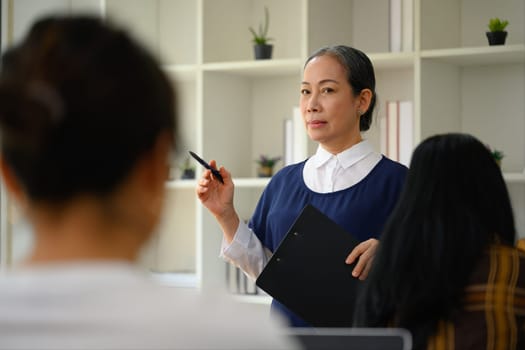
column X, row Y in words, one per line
column 214, row 171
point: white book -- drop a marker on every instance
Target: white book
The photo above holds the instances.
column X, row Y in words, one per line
column 251, row 287
column 382, row 135
column 395, row 25
column 300, row 137
column 406, row 132
column 407, row 16
column 232, row 278
column 288, row 142
column 392, row 130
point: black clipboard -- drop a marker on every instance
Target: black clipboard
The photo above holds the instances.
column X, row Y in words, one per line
column 307, row 272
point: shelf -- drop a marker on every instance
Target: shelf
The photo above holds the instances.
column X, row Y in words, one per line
column 260, row 68
column 392, row 60
column 189, row 280
column 251, row 182
column 257, row 182
column 181, row 184
column 184, row 72
column 176, row 279
column 253, row 299
column 264, row 68
column 223, row 91
column 472, row 56
column 514, row 177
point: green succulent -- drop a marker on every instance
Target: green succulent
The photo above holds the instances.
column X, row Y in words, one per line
column 260, row 37
column 498, row 155
column 267, row 161
column 187, row 165
column 497, row 25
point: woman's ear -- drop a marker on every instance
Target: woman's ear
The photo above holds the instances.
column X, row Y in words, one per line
column 364, row 99
column 143, row 192
column 14, row 187
column 160, row 157
column 152, row 170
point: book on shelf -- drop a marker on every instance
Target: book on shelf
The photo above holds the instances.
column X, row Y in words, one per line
column 395, row 25
column 407, row 25
column 401, row 25
column 397, row 131
column 295, row 139
column 406, row 132
column 288, row 142
column 392, row 131
column 237, row 282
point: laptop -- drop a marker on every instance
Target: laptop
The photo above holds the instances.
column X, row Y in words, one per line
column 352, row 338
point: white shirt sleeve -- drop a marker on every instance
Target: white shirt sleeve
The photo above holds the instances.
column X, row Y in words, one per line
column 246, row 251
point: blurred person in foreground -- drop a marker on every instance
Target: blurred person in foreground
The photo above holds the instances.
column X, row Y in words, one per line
column 87, row 124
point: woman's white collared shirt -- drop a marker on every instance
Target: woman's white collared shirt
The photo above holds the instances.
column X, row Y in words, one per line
column 323, row 173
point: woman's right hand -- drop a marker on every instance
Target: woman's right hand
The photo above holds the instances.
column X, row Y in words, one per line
column 217, row 197
column 214, row 195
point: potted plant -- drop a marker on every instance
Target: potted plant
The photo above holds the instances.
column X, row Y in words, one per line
column 497, row 34
column 188, row 170
column 266, row 165
column 260, row 39
column 498, row 156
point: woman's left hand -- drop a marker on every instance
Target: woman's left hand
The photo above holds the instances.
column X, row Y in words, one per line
column 366, row 252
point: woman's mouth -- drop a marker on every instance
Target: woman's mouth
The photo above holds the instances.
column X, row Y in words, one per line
column 316, row 123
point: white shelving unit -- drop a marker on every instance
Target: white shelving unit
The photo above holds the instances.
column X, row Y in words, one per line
column 231, row 107
column 456, row 81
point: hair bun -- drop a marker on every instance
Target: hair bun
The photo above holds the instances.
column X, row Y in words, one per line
column 28, row 114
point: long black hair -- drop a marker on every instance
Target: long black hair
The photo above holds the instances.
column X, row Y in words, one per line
column 453, row 206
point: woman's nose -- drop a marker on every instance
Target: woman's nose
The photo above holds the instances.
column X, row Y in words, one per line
column 313, row 104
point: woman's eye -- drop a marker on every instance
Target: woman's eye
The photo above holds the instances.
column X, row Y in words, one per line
column 326, row 90
column 304, row 92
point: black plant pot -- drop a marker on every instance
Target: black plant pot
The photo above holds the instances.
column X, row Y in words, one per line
column 263, row 51
column 188, row 174
column 496, row 38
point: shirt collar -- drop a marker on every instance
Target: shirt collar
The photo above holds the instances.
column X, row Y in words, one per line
column 346, row 158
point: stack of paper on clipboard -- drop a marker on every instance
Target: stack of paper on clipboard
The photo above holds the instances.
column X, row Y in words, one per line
column 308, row 274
